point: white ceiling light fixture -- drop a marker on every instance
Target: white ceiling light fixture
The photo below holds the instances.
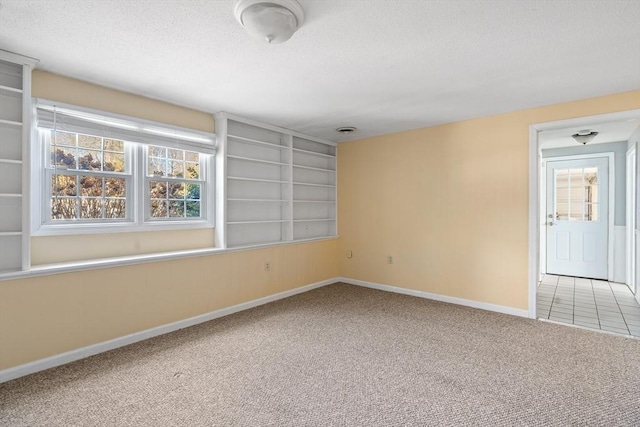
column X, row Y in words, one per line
column 584, row 136
column 273, row 21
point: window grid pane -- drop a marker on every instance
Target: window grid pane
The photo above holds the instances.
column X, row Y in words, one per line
column 179, row 195
column 576, row 194
column 86, row 152
column 82, row 182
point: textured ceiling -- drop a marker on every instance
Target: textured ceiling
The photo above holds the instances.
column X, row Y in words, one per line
column 381, row 65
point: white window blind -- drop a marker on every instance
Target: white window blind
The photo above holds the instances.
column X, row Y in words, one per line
column 62, row 117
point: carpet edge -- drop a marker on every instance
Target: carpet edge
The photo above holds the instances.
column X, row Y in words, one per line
column 437, row 297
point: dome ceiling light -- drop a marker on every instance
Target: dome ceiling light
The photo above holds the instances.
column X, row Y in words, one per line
column 273, row 21
column 584, row 136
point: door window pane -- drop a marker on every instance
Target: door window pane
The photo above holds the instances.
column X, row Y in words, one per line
column 576, row 211
column 562, row 194
column 576, row 194
column 591, row 212
column 591, row 194
column 591, row 176
column 562, row 178
column 562, row 211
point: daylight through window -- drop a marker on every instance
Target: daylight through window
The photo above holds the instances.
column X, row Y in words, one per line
column 88, row 177
column 101, row 170
column 174, row 183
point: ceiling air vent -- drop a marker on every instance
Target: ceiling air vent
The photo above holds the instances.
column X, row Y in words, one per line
column 346, row 130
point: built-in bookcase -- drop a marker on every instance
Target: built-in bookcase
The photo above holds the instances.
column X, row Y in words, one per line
column 280, row 186
column 314, row 189
column 15, row 113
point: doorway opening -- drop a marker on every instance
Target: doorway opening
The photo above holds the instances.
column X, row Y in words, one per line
column 581, row 256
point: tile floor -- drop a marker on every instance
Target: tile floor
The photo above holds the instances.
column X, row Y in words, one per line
column 595, row 304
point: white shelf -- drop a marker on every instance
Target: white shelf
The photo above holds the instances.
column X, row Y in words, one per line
column 271, row 181
column 249, row 159
column 10, row 123
column 309, row 184
column 314, row 169
column 15, row 94
column 328, row 202
column 268, row 168
column 10, row 91
column 11, row 161
column 300, row 150
column 267, row 221
column 257, row 142
column 259, row 200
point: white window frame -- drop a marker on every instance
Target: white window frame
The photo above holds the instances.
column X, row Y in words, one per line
column 137, row 200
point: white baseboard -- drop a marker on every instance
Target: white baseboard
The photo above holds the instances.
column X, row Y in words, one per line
column 81, row 353
column 436, row 297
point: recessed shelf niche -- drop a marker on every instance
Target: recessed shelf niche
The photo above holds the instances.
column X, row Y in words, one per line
column 15, row 99
column 280, row 186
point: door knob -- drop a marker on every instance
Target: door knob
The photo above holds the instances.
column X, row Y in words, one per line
column 550, row 223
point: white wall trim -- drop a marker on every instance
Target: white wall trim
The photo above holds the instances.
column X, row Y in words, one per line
column 92, row 264
column 534, row 217
column 437, row 297
column 620, row 254
column 632, row 206
column 81, row 353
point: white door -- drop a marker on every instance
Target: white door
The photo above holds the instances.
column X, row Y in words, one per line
column 577, row 217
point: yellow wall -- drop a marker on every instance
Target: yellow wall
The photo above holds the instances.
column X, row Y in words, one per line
column 71, row 91
column 47, row 315
column 48, row 249
column 449, row 203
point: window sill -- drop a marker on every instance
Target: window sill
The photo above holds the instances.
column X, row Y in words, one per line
column 69, row 267
column 124, row 227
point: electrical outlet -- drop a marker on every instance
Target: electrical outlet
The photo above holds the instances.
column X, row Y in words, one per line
column 267, row 266
column 349, row 254
column 389, row 259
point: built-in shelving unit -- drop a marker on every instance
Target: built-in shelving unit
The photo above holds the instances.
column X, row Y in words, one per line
column 279, row 185
column 15, row 98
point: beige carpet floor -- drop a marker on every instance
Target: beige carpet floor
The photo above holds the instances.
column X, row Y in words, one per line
column 345, row 356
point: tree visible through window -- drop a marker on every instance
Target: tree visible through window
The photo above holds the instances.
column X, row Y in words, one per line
column 90, row 179
column 177, row 194
column 100, row 172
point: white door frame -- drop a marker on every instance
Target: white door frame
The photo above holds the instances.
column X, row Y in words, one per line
column 610, row 156
column 632, row 204
column 534, row 184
